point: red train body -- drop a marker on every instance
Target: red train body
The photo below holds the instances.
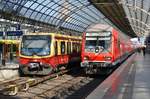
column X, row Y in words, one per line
column 41, row 54
column 104, row 48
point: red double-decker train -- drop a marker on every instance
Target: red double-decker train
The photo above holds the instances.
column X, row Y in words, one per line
column 103, row 47
column 43, row 53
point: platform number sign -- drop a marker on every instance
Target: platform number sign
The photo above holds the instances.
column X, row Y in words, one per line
column 14, row 33
column 11, row 33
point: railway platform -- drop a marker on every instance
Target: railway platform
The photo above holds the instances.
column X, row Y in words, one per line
column 9, row 71
column 127, row 82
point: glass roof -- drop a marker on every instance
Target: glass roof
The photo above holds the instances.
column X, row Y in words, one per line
column 72, row 14
column 138, row 13
column 114, row 11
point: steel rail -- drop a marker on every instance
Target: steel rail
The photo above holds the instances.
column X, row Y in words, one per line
column 23, row 83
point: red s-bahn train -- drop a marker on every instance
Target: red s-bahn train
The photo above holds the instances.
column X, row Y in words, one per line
column 103, row 47
column 43, row 53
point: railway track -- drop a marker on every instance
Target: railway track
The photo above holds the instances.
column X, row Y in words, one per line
column 14, row 86
column 55, row 88
column 51, row 87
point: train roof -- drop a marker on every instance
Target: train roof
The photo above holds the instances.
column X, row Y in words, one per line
column 105, row 27
column 54, row 34
column 99, row 27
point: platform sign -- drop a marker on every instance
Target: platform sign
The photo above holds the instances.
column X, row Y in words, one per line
column 14, row 33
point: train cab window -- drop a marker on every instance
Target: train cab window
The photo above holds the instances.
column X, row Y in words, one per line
column 92, row 42
column 56, row 48
column 36, row 45
column 63, row 47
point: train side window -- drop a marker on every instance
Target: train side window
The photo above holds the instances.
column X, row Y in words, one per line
column 68, row 48
column 63, row 48
column 119, row 44
column 74, row 45
column 56, row 48
column 78, row 47
column 14, row 48
column 71, row 47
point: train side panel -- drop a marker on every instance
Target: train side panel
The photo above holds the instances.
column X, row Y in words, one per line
column 116, row 47
column 62, row 50
column 94, row 62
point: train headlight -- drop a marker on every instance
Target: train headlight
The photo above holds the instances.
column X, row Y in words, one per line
column 107, row 58
column 86, row 58
column 96, row 50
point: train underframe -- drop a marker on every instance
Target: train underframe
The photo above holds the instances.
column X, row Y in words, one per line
column 96, row 67
column 103, row 67
column 35, row 68
column 39, row 68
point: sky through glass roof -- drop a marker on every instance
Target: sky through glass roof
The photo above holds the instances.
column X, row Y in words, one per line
column 72, row 14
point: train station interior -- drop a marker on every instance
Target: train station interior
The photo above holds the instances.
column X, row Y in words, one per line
column 74, row 49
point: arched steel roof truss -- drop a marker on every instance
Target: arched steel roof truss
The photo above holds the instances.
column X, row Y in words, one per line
column 138, row 12
column 72, row 14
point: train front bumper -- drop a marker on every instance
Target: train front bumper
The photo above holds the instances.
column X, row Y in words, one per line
column 95, row 64
column 36, row 69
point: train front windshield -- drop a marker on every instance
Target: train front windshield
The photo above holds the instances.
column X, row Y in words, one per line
column 35, row 45
column 102, row 40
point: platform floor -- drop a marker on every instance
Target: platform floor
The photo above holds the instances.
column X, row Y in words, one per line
column 133, row 83
column 141, row 86
column 137, row 84
column 9, row 71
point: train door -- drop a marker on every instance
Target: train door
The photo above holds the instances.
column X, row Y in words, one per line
column 68, row 48
column 56, row 48
column 56, row 53
column 119, row 48
column 115, row 44
column 63, row 52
